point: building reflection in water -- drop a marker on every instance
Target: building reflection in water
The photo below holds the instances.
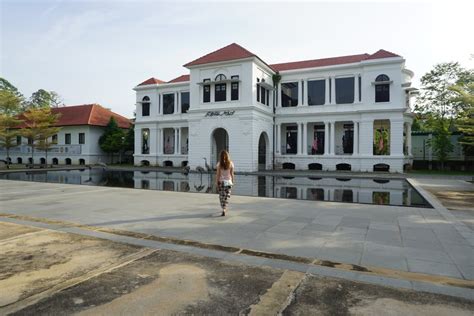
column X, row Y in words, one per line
column 354, row 190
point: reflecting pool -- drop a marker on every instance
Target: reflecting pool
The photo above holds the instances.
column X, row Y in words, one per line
column 342, row 189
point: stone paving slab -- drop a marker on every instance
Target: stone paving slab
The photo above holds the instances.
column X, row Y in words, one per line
column 266, row 224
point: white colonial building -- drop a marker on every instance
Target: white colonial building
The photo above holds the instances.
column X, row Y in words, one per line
column 77, row 142
column 341, row 113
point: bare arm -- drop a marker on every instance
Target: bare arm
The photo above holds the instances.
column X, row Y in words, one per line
column 218, row 175
column 232, row 172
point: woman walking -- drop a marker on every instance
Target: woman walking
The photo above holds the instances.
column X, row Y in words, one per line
column 224, row 179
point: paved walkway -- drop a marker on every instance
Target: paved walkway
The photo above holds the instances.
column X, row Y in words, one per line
column 401, row 238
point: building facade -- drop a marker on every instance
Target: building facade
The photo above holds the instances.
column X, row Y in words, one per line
column 341, row 113
column 77, row 142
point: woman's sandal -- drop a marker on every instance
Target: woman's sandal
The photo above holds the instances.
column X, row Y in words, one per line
column 223, row 213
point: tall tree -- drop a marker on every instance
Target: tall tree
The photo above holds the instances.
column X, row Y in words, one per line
column 39, row 128
column 40, row 99
column 435, row 98
column 465, row 122
column 9, row 107
column 438, row 106
column 5, row 85
column 112, row 141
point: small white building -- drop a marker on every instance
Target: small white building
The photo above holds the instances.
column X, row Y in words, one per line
column 340, row 113
column 78, row 140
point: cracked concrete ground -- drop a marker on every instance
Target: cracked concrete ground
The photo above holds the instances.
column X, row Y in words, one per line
column 45, row 272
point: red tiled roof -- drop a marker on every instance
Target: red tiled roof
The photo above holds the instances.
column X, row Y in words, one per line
column 151, row 81
column 332, row 61
column 229, row 52
column 86, row 114
column 381, row 53
column 182, row 78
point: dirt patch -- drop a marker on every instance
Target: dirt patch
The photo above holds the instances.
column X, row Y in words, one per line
column 455, row 200
column 227, row 288
column 328, row 296
column 31, row 264
column 178, row 285
column 388, row 306
column 9, row 230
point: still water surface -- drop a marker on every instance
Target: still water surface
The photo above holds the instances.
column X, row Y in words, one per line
column 343, row 189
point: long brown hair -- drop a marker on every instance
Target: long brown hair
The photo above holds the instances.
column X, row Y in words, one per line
column 224, row 160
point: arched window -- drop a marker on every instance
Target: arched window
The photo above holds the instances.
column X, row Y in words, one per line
column 220, row 77
column 382, row 78
column 382, row 88
column 146, row 106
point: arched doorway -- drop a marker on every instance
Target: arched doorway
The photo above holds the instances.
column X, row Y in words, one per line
column 262, row 151
column 219, row 142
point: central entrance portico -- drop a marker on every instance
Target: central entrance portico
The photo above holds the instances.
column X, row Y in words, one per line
column 220, row 142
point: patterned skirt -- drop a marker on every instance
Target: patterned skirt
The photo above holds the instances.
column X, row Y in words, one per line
column 224, row 194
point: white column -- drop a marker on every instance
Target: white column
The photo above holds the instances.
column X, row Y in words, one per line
column 305, row 139
column 300, row 93
column 356, row 138
column 158, row 105
column 333, row 90
column 333, row 138
column 305, row 94
column 279, row 95
column 176, row 107
column 356, row 88
column 160, row 141
column 409, row 138
column 179, row 140
column 298, row 152
column 278, row 138
column 327, row 92
column 366, row 142
column 138, row 141
column 396, row 138
column 326, row 138
column 175, row 141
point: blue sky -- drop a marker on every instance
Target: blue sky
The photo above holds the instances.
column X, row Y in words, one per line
column 97, row 51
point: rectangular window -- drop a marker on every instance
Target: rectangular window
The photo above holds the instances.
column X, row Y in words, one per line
column 145, row 109
column 168, row 103
column 206, row 94
column 18, row 140
column 145, row 144
column 184, row 102
column 360, row 89
column 289, row 94
column 291, row 139
column 382, row 93
column 220, row 92
column 263, row 94
column 82, row 138
column 54, row 139
column 268, row 98
column 236, row 77
column 316, row 92
column 30, row 141
column 67, row 139
column 234, row 92
column 344, row 90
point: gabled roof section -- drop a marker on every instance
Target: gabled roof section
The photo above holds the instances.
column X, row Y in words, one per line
column 229, row 52
column 314, row 63
column 86, row 114
column 320, row 62
column 182, row 78
column 381, row 53
column 152, row 80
